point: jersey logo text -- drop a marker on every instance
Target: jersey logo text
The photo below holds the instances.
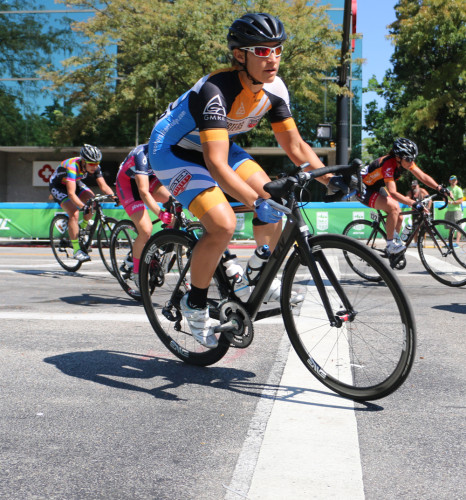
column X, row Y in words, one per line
column 179, row 183
column 215, row 107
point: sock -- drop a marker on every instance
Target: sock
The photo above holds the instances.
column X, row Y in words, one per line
column 197, row 298
column 135, row 265
column 76, row 246
column 388, row 242
column 83, row 224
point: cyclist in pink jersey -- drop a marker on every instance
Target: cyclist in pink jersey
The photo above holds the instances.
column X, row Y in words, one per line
column 68, row 189
column 138, row 188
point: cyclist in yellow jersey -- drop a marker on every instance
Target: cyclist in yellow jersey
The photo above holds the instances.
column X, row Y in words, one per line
column 192, row 152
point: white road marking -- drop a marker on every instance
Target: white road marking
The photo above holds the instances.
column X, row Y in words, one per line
column 309, row 448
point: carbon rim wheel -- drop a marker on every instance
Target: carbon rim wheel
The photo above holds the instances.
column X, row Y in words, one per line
column 369, row 352
column 61, row 243
column 121, row 253
column 165, row 279
column 374, row 238
column 442, row 259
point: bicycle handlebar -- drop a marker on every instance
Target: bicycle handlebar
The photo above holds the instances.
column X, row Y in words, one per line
column 282, row 188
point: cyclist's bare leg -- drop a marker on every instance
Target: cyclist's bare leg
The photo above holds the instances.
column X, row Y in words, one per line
column 143, row 225
column 161, row 194
column 219, row 223
column 85, row 196
column 73, row 218
column 392, row 208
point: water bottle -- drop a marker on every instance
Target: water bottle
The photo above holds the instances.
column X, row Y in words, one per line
column 235, row 272
column 256, row 263
column 406, row 232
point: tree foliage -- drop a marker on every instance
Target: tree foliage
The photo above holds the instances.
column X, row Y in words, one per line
column 164, row 47
column 425, row 91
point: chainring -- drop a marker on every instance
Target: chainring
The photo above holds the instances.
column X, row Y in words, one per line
column 235, row 313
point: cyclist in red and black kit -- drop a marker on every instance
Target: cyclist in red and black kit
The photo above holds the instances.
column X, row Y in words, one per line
column 68, row 189
column 379, row 179
column 138, row 188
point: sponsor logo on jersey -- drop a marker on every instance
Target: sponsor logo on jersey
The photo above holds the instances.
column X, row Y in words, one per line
column 179, row 183
column 214, row 109
column 241, row 111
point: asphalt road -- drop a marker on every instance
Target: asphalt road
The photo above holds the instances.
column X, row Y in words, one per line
column 93, row 406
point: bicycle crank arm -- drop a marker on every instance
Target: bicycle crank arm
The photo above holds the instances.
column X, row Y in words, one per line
column 230, row 326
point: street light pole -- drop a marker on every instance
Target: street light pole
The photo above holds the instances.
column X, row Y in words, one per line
column 342, row 100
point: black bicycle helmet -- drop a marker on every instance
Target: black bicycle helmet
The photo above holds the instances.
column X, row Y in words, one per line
column 405, row 148
column 91, row 153
column 254, row 29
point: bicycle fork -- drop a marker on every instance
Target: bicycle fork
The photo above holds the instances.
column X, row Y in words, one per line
column 314, row 257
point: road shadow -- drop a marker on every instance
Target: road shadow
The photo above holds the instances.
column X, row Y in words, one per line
column 454, row 308
column 102, row 367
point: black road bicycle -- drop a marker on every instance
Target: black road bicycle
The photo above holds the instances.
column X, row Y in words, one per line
column 443, row 259
column 356, row 336
column 122, row 238
column 95, row 235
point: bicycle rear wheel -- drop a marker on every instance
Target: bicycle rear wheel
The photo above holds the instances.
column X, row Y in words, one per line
column 61, row 243
column 439, row 254
column 121, row 254
column 374, row 237
column 103, row 242
column 370, row 351
column 165, row 277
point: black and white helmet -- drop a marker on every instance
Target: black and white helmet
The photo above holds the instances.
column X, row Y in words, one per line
column 255, row 29
column 91, row 153
column 405, row 148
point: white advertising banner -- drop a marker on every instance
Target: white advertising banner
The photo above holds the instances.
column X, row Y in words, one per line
column 42, row 171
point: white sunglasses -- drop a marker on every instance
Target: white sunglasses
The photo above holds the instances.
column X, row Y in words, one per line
column 265, row 51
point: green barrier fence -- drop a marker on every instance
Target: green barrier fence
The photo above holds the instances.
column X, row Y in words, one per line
column 31, row 221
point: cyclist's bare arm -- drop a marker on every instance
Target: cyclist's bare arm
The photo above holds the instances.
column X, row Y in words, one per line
column 424, row 178
column 393, row 192
column 142, row 182
column 300, row 152
column 104, row 187
column 216, row 158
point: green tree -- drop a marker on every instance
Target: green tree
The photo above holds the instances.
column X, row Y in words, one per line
column 164, row 47
column 425, row 91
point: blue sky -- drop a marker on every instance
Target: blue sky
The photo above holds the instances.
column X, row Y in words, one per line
column 372, row 20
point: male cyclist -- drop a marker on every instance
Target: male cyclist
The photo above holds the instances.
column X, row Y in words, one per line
column 192, row 152
column 379, row 182
column 137, row 188
column 68, row 189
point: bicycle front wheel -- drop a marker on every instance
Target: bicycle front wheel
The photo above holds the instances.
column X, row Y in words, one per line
column 121, row 254
column 367, row 351
column 61, row 243
column 103, row 242
column 443, row 258
column 372, row 236
column 165, row 277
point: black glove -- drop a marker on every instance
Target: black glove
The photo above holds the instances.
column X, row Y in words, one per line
column 336, row 183
column 418, row 206
column 85, row 209
column 443, row 190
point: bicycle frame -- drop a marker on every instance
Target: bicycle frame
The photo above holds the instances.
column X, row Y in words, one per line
column 295, row 232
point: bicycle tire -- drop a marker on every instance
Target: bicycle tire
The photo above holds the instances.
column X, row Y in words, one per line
column 374, row 237
column 61, row 243
column 370, row 355
column 104, row 234
column 164, row 257
column 121, row 254
column 442, row 260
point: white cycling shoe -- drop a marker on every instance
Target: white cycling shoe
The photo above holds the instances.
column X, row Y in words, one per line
column 273, row 294
column 199, row 323
column 394, row 248
column 81, row 256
